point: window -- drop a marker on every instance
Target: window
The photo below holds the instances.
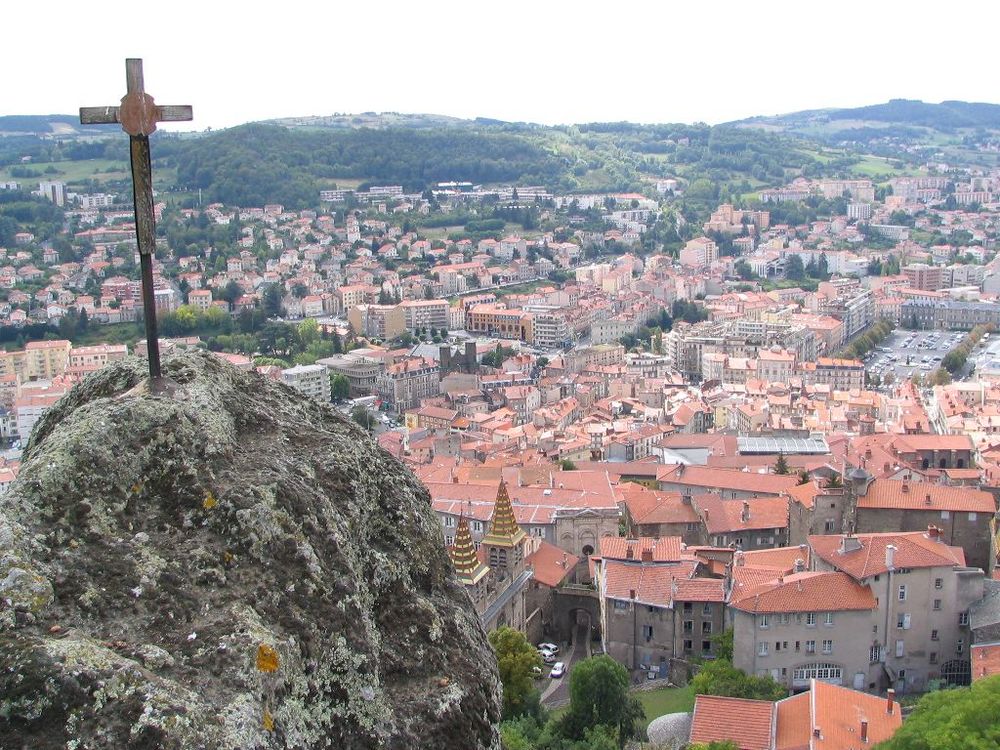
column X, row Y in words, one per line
column 902, row 592
column 938, row 583
column 620, row 605
column 762, row 650
column 810, row 619
column 647, row 632
column 830, row 526
column 973, row 516
column 937, row 604
column 933, row 657
column 763, row 622
column 449, row 522
column 783, row 618
column 903, row 621
column 688, row 627
column 900, row 648
column 706, row 646
column 810, row 647
column 777, row 646
column 828, row 619
column 796, row 646
column 688, row 646
column 934, row 635
column 963, row 619
column 687, row 608
column 960, row 646
column 817, row 671
column 945, row 515
column 827, row 647
column 706, row 609
column 706, row 628
column 449, row 540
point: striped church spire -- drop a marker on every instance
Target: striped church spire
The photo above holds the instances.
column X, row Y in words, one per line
column 463, row 555
column 504, row 531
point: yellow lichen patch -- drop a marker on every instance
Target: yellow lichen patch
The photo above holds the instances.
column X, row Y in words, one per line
column 136, row 488
column 267, row 658
column 209, row 502
column 228, row 557
column 268, row 721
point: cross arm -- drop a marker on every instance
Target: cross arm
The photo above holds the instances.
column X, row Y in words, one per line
column 110, row 115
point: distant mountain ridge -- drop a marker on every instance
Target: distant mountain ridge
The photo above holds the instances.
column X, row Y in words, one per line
column 947, row 115
column 66, row 125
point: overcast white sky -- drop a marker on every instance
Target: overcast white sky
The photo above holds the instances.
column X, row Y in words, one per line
column 544, row 61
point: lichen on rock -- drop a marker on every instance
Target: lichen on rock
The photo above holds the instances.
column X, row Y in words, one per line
column 155, row 539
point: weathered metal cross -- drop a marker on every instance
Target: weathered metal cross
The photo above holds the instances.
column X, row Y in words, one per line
column 138, row 115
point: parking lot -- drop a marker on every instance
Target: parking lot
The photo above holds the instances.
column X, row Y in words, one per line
column 911, row 353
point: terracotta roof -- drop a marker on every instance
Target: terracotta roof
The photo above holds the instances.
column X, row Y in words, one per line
column 806, row 592
column 780, row 558
column 794, row 723
column 551, row 564
column 653, row 507
column 744, row 481
column 934, row 442
column 838, row 712
column 723, row 516
column 914, row 549
column 745, row 722
column 651, row 584
column 891, row 493
column 985, row 660
column 700, row 590
column 663, row 549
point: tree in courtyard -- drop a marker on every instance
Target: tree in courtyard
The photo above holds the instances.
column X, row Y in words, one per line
column 803, row 477
column 720, row 677
column 599, row 697
column 794, row 269
column 516, row 658
column 958, row 719
column 340, row 387
column 781, row 465
column 834, row 481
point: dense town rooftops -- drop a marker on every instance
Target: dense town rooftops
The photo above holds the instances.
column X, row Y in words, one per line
column 864, row 555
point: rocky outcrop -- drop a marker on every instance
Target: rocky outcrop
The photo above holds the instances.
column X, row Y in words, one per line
column 228, row 564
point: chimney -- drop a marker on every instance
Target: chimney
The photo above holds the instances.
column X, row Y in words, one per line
column 890, row 696
column 905, row 487
column 745, row 516
column 817, row 733
column 629, row 552
column 927, row 499
column 933, row 532
column 647, row 555
column 800, row 565
column 631, row 595
column 864, row 731
column 890, row 556
column 686, row 499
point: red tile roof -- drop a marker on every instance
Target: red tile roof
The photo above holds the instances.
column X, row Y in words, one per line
column 700, row 590
column 743, row 481
column 746, row 722
column 891, row 493
column 806, row 592
column 663, row 549
column 723, row 516
column 914, row 549
column 551, row 564
column 652, row 584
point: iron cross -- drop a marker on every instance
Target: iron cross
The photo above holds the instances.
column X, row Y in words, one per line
column 138, row 115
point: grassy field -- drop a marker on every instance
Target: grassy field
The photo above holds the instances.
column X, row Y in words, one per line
column 656, row 703
column 874, row 167
column 70, row 172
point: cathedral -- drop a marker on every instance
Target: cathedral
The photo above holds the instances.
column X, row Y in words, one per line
column 496, row 575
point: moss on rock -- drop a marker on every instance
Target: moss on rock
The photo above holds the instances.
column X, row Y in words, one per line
column 154, row 540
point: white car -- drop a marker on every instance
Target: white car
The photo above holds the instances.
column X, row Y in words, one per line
column 547, row 656
column 558, row 670
column 548, row 647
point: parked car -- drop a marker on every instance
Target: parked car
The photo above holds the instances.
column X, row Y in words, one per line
column 558, row 670
column 548, row 647
column 547, row 656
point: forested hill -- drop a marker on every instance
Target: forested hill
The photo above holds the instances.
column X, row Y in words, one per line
column 265, row 162
column 948, row 116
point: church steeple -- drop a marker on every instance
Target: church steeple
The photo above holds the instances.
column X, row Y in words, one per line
column 463, row 555
column 504, row 531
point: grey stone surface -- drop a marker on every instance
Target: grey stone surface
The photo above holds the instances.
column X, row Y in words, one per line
column 153, row 542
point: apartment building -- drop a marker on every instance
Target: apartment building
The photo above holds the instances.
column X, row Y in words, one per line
column 701, row 252
column 923, row 591
column 425, row 313
column 312, row 380
column 923, row 276
column 402, row 385
column 498, row 321
column 95, row 357
column 377, row 321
